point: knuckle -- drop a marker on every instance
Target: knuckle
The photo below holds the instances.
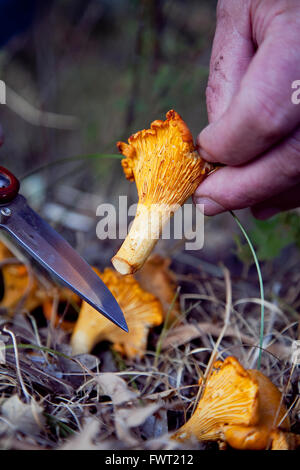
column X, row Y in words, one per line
column 211, row 98
column 294, row 144
column 222, row 10
column 288, row 160
column 268, row 117
column 238, row 197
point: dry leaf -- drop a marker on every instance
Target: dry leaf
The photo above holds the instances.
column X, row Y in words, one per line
column 137, row 416
column 156, row 277
column 183, row 334
column 84, row 439
column 18, row 416
column 116, row 388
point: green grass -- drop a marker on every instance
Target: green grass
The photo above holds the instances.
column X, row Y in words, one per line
column 261, row 286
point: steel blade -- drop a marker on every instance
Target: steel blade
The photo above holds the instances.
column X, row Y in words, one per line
column 50, row 249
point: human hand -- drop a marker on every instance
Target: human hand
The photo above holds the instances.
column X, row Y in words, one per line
column 254, row 126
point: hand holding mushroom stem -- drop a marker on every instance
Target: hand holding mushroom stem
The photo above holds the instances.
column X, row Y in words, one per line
column 167, row 169
column 253, row 110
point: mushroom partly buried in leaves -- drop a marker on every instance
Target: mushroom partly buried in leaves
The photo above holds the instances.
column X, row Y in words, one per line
column 242, row 408
column 24, row 290
column 21, row 289
column 142, row 311
column 167, row 169
column 20, row 286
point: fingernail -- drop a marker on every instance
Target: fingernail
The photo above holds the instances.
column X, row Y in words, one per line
column 208, row 206
column 265, row 213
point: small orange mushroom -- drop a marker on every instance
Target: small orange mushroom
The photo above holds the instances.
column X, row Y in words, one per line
column 141, row 309
column 240, row 407
column 156, row 277
column 5, row 253
column 21, row 287
column 167, row 169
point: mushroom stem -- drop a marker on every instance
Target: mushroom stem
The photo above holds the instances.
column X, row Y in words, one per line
column 142, row 237
column 82, row 343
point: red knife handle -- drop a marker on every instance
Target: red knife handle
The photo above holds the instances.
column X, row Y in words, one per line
column 9, row 186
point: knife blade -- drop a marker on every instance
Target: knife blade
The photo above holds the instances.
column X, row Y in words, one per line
column 55, row 254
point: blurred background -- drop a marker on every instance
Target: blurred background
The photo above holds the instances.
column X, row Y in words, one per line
column 81, row 75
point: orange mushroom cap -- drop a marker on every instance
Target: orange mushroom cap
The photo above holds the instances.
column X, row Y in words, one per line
column 240, row 407
column 141, row 309
column 167, row 169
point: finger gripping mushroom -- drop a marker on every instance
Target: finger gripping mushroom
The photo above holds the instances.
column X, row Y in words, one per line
column 240, row 407
column 167, row 169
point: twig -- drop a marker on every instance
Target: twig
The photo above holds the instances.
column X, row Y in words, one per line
column 27, row 395
column 35, row 116
column 217, row 344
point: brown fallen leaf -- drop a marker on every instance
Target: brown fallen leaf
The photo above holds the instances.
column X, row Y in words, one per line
column 128, row 412
column 156, row 277
column 186, row 333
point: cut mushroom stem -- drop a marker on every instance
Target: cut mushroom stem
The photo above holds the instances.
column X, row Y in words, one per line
column 145, row 231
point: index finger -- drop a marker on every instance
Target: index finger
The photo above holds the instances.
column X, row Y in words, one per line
column 231, row 54
column 262, row 111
